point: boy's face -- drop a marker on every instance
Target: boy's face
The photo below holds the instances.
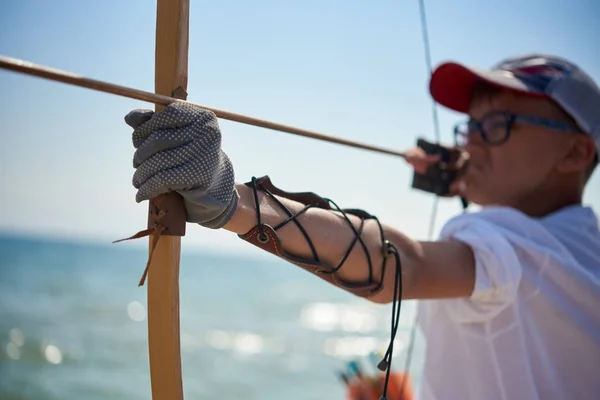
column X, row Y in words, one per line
column 533, row 159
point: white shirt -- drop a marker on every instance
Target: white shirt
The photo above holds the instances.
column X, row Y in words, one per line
column 531, row 329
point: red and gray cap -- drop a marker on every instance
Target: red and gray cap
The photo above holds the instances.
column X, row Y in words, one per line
column 540, row 75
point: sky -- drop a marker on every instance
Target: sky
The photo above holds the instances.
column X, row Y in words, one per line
column 352, row 69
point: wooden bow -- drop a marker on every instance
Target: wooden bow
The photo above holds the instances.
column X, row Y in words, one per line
column 170, row 79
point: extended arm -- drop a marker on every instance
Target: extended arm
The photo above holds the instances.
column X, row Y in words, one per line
column 180, row 149
column 429, row 269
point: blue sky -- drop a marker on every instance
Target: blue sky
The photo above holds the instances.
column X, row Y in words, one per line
column 354, row 69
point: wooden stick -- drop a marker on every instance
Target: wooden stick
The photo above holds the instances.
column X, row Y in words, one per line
column 29, row 68
column 171, row 68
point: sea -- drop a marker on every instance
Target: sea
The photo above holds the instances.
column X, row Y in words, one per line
column 73, row 325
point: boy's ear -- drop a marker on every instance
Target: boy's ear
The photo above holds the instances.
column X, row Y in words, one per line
column 580, row 156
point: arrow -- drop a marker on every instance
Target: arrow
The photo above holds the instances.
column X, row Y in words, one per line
column 29, row 68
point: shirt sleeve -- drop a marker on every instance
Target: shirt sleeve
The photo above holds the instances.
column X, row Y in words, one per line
column 498, row 268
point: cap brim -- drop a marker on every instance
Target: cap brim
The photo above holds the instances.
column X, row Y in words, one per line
column 452, row 84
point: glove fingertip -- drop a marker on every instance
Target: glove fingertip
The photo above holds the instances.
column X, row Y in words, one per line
column 135, row 118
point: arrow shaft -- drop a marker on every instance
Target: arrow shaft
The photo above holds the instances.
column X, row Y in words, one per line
column 29, row 68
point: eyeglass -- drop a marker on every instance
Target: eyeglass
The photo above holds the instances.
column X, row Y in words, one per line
column 495, row 128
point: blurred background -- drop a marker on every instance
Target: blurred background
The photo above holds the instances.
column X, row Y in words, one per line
column 72, row 318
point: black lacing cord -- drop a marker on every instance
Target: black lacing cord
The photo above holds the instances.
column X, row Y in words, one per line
column 261, row 233
column 287, row 211
column 356, row 237
column 386, row 363
column 387, row 249
column 291, row 217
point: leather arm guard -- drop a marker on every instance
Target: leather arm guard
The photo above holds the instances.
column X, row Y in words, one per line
column 267, row 238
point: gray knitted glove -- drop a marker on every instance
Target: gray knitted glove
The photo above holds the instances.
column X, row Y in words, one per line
column 179, row 148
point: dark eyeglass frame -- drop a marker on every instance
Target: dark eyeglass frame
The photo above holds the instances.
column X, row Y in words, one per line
column 477, row 126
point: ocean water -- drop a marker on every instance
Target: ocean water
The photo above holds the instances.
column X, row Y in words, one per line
column 73, row 326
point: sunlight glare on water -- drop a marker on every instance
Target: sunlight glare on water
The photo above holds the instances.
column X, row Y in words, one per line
column 244, row 342
column 53, row 354
column 328, row 317
column 349, row 346
column 136, row 311
column 249, row 343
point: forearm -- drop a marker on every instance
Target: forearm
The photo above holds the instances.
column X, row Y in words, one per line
column 331, row 236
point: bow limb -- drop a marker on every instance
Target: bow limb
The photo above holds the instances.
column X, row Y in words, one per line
column 167, row 215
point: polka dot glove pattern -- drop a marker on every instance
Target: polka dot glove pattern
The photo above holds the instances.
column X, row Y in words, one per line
column 179, row 148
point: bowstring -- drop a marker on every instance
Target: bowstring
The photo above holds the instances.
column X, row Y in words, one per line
column 436, row 127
